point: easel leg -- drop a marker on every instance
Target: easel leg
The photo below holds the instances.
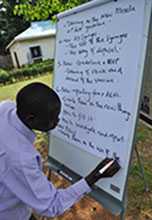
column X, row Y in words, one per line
column 146, row 188
column 122, row 215
column 123, row 210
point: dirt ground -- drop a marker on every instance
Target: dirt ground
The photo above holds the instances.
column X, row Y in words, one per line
column 139, row 202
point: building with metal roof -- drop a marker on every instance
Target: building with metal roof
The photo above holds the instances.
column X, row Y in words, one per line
column 34, row 44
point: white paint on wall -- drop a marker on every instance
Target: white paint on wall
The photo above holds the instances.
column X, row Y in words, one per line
column 22, row 49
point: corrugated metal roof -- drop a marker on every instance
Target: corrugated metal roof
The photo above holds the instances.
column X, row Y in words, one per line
column 36, row 30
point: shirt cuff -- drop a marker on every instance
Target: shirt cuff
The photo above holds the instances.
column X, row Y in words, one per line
column 81, row 187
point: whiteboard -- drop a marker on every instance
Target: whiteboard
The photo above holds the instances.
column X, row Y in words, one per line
column 99, row 61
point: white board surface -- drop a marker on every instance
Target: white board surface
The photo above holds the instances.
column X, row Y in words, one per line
column 98, row 76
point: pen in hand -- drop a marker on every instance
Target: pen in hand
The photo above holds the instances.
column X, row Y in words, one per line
column 106, row 168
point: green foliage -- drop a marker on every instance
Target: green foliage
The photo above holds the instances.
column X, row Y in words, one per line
column 14, row 17
column 44, row 9
column 4, row 76
column 27, row 71
column 141, row 136
column 10, row 25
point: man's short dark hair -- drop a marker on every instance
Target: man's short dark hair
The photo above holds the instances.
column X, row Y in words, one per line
column 36, row 98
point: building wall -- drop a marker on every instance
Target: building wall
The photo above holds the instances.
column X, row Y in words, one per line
column 22, row 49
column 14, row 48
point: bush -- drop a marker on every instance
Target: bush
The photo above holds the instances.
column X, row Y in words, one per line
column 4, row 76
column 28, row 71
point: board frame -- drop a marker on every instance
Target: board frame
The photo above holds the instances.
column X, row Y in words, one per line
column 114, row 205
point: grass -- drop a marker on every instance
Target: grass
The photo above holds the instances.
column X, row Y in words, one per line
column 9, row 91
column 138, row 200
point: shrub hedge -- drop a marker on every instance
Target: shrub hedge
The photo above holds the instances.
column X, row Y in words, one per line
column 4, row 76
column 28, row 71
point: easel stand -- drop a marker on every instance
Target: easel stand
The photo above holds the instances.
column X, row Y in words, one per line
column 142, row 170
column 55, row 167
column 116, row 207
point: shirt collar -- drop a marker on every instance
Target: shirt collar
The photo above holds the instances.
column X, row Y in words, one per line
column 21, row 127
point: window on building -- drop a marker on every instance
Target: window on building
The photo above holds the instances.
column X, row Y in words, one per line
column 36, row 53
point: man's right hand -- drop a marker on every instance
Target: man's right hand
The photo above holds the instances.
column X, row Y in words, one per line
column 95, row 175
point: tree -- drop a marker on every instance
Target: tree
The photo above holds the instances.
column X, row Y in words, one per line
column 44, row 9
column 10, row 25
column 15, row 15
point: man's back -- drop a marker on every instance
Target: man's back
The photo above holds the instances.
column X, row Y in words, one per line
column 11, row 207
column 22, row 182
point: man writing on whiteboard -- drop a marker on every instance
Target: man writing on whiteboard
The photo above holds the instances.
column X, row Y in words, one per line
column 23, row 185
